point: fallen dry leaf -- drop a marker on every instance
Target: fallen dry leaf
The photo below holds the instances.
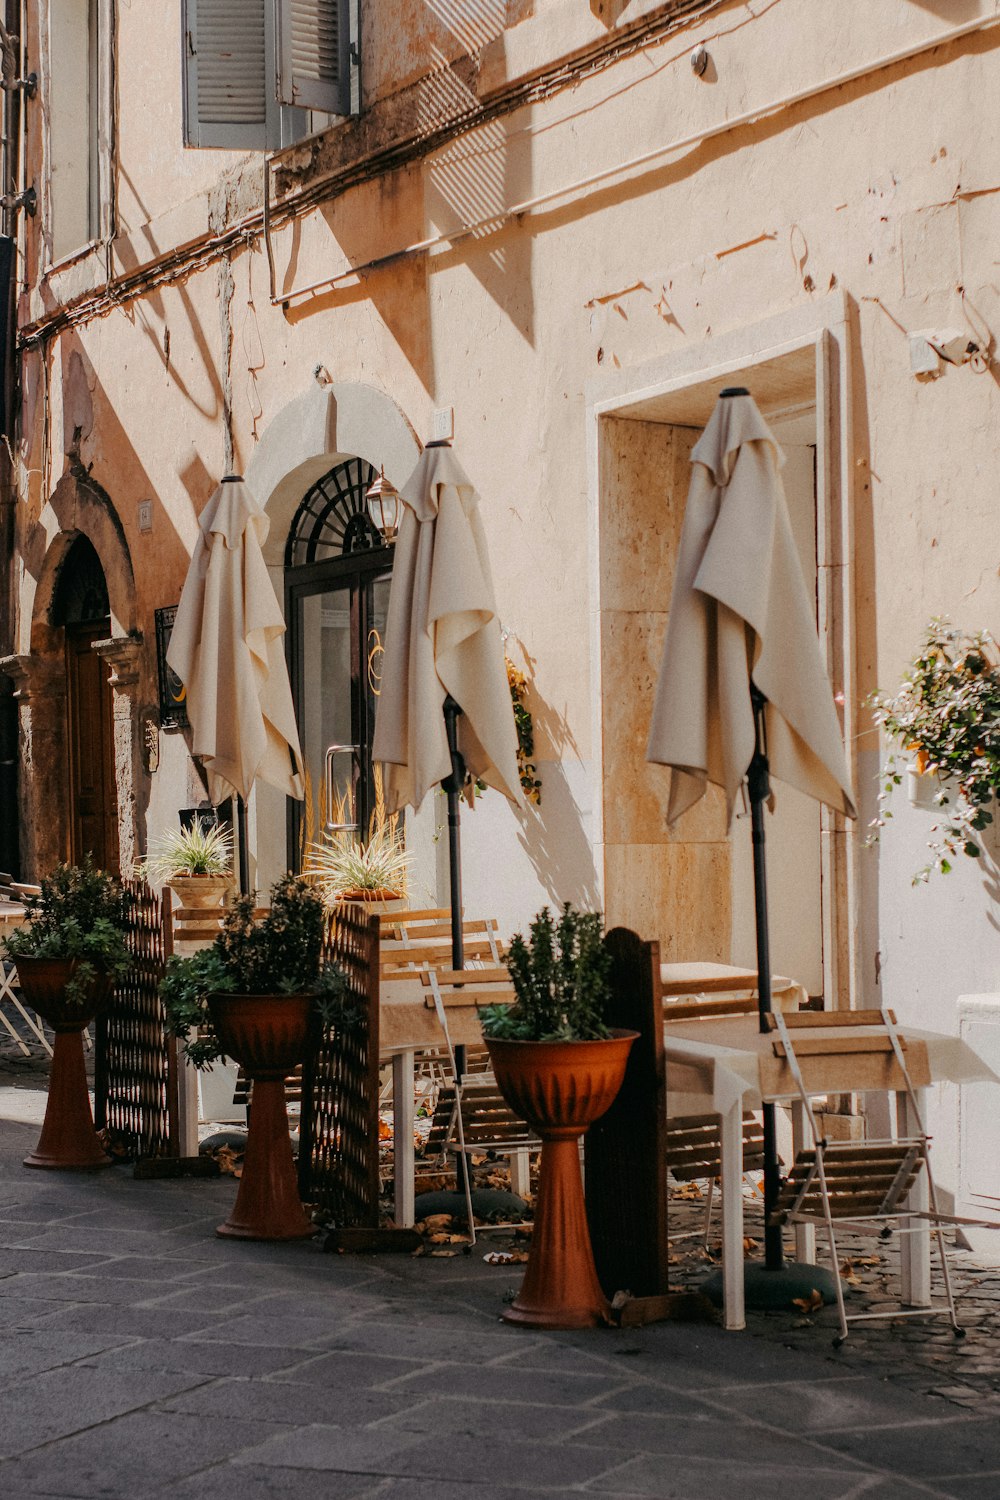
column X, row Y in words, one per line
column 812, row 1303
column 849, row 1274
column 443, row 1254
column 686, row 1190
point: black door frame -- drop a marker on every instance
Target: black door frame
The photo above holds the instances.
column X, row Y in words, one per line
column 355, row 572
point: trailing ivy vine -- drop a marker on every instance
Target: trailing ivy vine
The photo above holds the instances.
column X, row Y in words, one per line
column 518, row 683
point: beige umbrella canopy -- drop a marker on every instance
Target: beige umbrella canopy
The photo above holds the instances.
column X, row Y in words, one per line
column 743, row 692
column 226, row 648
column 442, row 637
column 740, row 610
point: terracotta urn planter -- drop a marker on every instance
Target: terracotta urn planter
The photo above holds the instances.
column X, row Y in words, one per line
column 267, row 1034
column 363, row 896
column 68, row 1140
column 560, row 1088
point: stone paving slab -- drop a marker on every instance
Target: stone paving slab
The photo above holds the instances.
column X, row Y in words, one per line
column 141, row 1357
column 61, row 1402
column 124, row 1459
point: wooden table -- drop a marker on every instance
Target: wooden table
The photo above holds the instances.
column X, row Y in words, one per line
column 408, row 1024
column 727, row 1066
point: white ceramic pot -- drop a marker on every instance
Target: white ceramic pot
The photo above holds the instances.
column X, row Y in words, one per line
column 924, row 787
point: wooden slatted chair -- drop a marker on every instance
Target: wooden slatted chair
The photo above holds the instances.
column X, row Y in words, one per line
column 694, row 1154
column 479, row 1120
column 862, row 1186
column 412, row 941
column 694, row 1142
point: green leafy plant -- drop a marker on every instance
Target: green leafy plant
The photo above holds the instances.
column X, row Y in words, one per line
column 280, row 953
column 945, row 719
column 524, row 724
column 189, row 851
column 80, row 913
column 561, row 978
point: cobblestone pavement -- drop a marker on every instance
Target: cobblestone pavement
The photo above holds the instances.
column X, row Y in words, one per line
column 919, row 1354
column 142, row 1356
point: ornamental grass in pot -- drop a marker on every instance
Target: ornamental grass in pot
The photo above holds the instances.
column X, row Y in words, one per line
column 68, row 956
column 347, row 867
column 559, row 1067
column 253, row 995
column 195, row 862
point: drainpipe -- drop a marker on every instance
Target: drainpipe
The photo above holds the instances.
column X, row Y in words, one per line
column 10, row 156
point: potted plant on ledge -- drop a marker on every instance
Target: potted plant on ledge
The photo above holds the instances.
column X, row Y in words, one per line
column 68, row 956
column 946, row 717
column 252, row 996
column 196, row 863
column 559, row 1067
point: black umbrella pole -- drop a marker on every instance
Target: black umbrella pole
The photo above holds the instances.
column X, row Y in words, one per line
column 241, row 840
column 453, row 788
column 759, row 783
column 773, row 1254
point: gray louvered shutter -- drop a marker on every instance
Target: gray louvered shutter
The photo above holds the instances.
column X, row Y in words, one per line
column 225, row 94
column 314, row 55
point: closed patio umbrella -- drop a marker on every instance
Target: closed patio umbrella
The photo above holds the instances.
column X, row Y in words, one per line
column 226, row 648
column 742, row 691
column 444, row 707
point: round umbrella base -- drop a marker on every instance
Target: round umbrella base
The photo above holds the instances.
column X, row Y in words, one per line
column 488, row 1204
column 777, row 1291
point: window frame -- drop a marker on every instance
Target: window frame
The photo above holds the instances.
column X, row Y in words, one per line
column 284, row 123
column 102, row 207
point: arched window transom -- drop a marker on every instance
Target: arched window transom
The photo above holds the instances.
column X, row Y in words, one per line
column 333, row 519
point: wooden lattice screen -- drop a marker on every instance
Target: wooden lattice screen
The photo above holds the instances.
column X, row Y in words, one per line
column 135, row 1065
column 338, row 1150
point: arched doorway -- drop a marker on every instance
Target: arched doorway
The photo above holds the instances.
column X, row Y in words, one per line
column 337, row 572
column 80, row 607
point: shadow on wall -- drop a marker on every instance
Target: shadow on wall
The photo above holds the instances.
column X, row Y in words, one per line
column 608, row 12
column 952, row 11
column 556, row 837
column 989, row 865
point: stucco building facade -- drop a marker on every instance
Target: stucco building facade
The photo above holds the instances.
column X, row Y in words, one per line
column 535, row 224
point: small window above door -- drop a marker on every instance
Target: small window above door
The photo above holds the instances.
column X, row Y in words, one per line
column 333, row 519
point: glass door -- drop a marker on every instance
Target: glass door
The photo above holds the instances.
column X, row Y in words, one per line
column 336, row 611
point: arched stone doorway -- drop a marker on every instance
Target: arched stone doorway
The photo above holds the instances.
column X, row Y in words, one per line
column 78, row 662
column 81, row 610
column 309, row 471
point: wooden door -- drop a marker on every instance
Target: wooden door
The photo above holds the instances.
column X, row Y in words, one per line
column 93, row 804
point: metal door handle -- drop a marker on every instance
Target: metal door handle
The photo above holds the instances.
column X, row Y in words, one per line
column 332, row 750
